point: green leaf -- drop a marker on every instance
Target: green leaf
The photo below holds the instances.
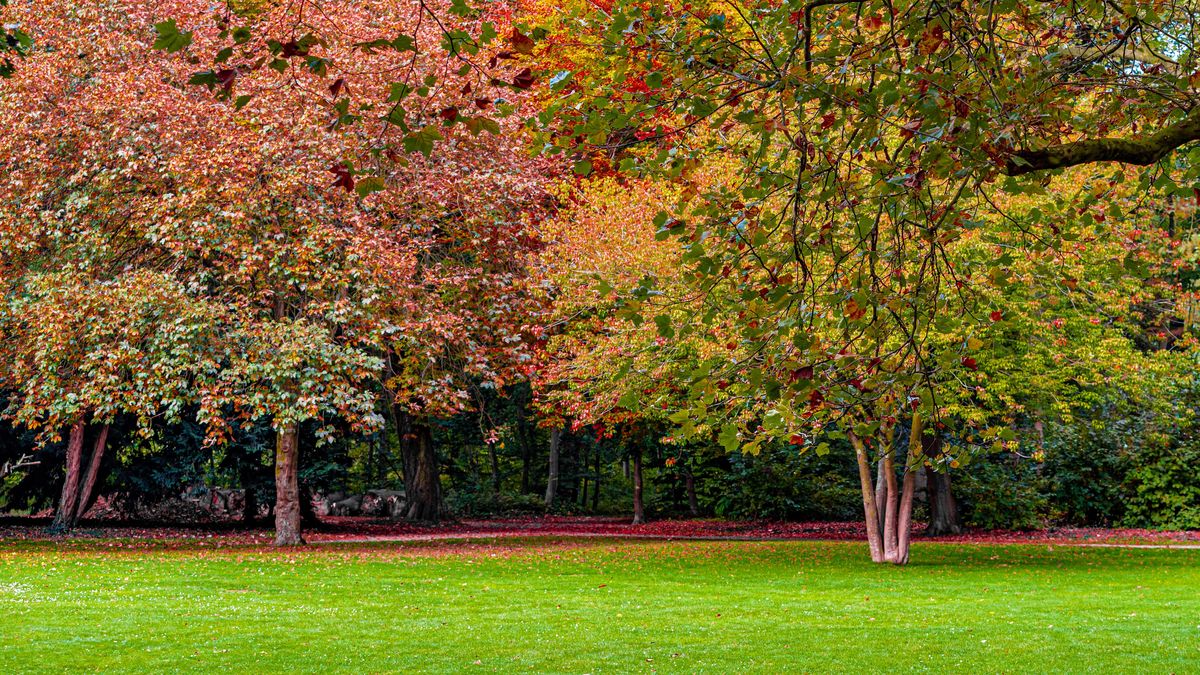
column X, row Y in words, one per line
column 404, row 43
column 728, row 438
column 170, row 38
column 366, row 186
column 664, row 326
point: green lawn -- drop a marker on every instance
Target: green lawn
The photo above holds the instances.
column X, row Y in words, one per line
column 598, row 607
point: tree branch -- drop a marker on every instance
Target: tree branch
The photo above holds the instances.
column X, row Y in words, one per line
column 10, row 467
column 1142, row 152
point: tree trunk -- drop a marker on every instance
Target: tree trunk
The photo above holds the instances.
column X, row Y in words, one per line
column 552, row 478
column 287, row 487
column 870, row 508
column 943, row 510
column 639, row 509
column 495, row 464
column 250, row 503
column 64, row 518
column 87, row 495
column 526, row 435
column 891, row 542
column 881, row 491
column 596, row 488
column 888, row 533
column 689, row 482
column 904, row 522
column 422, row 479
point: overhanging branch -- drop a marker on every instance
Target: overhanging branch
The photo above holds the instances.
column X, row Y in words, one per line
column 1142, row 152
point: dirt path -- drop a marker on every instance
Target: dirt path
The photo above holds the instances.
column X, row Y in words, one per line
column 366, row 530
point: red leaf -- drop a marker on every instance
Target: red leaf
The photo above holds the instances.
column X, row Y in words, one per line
column 524, row 79
column 293, row 48
column 226, row 77
column 449, row 114
column 521, row 44
column 970, row 363
column 342, row 177
column 996, row 315
column 483, row 103
column 337, row 86
column 805, row 373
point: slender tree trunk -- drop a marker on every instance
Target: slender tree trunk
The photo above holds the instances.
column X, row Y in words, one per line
column 422, row 479
column 87, row 494
column 689, row 482
column 525, row 433
column 904, row 523
column 596, row 488
column 891, row 542
column 64, row 518
column 881, row 491
column 287, row 487
column 250, row 503
column 552, row 478
column 870, row 509
column 639, row 508
column 495, row 464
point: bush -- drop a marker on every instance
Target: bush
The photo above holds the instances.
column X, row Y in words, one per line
column 1165, row 488
column 783, row 484
column 1000, row 492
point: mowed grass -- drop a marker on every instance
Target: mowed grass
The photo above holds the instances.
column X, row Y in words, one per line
column 592, row 606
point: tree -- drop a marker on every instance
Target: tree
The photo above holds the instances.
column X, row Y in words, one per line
column 872, row 137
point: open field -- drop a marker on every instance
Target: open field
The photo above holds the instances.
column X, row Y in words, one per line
column 594, row 605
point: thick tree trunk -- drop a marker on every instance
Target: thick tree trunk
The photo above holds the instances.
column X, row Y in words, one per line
column 64, row 518
column 870, row 508
column 287, row 487
column 87, row 489
column 552, row 478
column 689, row 483
column 943, row 510
column 639, row 508
column 422, row 479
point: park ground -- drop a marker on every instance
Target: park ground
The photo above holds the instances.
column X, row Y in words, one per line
column 578, row 596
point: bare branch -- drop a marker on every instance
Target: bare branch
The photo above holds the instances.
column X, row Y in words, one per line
column 10, row 467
